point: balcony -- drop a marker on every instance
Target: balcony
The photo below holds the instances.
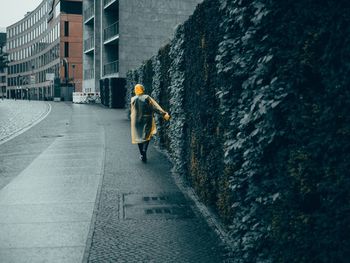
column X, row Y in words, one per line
column 111, row 68
column 111, row 34
column 110, row 4
column 89, row 15
column 89, row 73
column 89, row 45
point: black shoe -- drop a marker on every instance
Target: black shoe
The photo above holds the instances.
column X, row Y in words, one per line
column 143, row 157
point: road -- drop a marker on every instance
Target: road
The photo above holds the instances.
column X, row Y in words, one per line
column 72, row 189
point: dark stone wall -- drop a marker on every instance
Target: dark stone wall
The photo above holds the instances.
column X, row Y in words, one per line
column 260, row 100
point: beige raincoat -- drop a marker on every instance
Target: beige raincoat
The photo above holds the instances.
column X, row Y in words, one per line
column 143, row 125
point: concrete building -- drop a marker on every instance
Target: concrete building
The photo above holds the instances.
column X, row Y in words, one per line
column 45, row 51
column 3, row 71
column 120, row 34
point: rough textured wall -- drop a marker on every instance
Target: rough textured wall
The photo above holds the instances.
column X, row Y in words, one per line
column 260, row 99
column 203, row 135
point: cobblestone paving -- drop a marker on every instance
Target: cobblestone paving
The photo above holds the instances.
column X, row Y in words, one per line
column 142, row 216
column 18, row 115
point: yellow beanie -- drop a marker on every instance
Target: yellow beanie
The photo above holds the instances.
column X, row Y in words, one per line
column 139, row 89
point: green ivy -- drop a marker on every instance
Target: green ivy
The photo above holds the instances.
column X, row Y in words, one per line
column 259, row 96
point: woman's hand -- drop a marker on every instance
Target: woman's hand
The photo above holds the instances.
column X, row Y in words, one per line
column 166, row 116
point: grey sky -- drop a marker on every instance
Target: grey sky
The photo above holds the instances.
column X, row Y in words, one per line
column 12, row 11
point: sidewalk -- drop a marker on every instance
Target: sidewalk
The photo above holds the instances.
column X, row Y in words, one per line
column 142, row 216
column 45, row 211
column 87, row 197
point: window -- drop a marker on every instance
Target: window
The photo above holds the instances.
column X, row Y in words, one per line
column 66, row 28
column 66, row 49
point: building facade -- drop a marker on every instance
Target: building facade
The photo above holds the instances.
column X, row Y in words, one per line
column 45, row 52
column 3, row 70
column 120, row 34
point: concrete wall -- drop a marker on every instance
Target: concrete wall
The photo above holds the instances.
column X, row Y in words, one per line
column 98, row 44
column 146, row 25
column 88, row 60
column 92, row 31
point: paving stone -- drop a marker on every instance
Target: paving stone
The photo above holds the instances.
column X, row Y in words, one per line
column 142, row 216
column 19, row 114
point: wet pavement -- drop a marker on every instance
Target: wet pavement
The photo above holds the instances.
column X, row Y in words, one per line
column 72, row 189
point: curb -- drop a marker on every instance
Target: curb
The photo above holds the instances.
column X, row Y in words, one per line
column 27, row 127
column 88, row 243
column 209, row 217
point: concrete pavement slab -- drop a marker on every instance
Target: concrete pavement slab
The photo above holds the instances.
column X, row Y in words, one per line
column 45, row 213
column 57, row 171
column 49, row 204
column 59, row 181
column 17, row 196
column 30, row 235
column 67, row 163
column 40, row 255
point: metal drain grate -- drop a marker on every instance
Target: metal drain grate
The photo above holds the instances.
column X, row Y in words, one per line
column 148, row 199
column 155, row 198
column 51, row 136
column 156, row 206
column 159, row 211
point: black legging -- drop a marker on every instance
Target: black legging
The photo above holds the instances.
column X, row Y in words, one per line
column 143, row 147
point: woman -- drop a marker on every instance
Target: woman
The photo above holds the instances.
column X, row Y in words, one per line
column 143, row 125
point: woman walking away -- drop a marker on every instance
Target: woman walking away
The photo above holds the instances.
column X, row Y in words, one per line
column 143, row 125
